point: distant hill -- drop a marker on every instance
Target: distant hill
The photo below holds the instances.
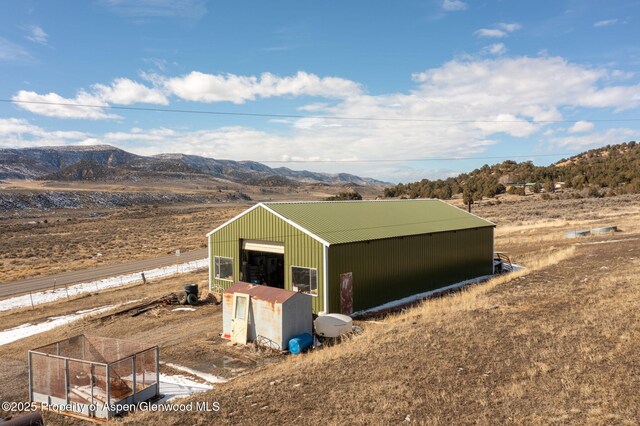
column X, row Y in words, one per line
column 610, row 170
column 107, row 163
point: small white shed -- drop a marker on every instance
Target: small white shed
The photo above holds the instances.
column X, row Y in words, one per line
column 273, row 313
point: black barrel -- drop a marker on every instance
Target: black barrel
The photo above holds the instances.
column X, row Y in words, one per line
column 191, row 289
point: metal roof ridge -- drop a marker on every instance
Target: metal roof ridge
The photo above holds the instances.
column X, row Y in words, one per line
column 349, row 201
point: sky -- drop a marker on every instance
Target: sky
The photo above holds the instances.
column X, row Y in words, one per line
column 395, row 90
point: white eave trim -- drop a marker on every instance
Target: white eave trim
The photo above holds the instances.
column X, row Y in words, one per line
column 325, row 281
column 290, row 222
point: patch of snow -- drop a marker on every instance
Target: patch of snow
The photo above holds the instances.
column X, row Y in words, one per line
column 26, row 330
column 178, row 386
column 204, row 376
column 420, row 296
column 76, row 289
column 183, row 309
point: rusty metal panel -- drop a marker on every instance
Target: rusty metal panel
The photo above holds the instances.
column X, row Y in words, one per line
column 277, row 318
column 260, row 224
column 394, row 268
column 262, row 292
column 346, row 293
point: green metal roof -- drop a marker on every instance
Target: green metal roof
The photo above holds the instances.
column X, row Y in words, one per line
column 338, row 222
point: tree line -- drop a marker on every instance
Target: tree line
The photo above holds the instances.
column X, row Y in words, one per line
column 611, row 170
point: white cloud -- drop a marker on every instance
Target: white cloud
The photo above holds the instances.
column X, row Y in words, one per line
column 125, row 92
column 593, row 140
column 201, row 87
column 45, row 105
column 160, row 64
column 581, row 127
column 467, row 104
column 490, row 33
column 454, row 5
column 19, row 133
column 140, row 9
column 501, row 29
column 495, row 49
column 605, row 23
column 12, row 52
column 37, row 34
column 513, row 83
column 509, row 27
column 121, row 91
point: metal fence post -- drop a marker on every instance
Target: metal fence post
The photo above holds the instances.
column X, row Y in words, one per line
column 134, row 373
column 66, row 379
column 92, row 373
column 157, row 370
column 30, row 378
column 108, row 386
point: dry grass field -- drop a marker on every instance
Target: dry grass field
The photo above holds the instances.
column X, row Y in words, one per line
column 554, row 343
column 51, row 242
column 48, row 242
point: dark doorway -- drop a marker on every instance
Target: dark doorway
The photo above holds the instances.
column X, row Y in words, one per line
column 260, row 267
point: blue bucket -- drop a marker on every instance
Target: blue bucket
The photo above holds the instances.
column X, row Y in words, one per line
column 300, row 343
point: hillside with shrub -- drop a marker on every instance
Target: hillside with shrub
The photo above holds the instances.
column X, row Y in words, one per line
column 606, row 171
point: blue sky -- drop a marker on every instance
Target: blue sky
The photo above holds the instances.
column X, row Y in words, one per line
column 449, row 79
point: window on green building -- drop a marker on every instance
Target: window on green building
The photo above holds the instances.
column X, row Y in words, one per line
column 223, row 269
column 304, row 280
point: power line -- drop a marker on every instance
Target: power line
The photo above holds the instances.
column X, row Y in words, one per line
column 414, row 160
column 321, row 117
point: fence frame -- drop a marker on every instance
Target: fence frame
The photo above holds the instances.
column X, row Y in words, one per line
column 96, row 409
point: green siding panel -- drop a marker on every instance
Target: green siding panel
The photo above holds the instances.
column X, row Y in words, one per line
column 260, row 224
column 390, row 269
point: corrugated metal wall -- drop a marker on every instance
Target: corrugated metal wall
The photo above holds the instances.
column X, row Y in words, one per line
column 259, row 224
column 390, row 269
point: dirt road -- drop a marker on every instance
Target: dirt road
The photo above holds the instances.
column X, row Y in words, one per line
column 88, row 275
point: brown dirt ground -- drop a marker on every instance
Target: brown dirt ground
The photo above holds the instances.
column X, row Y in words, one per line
column 186, row 338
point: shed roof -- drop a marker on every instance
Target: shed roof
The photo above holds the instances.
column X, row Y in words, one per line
column 337, row 222
column 262, row 292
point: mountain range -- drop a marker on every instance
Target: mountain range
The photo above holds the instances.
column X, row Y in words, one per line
column 107, row 163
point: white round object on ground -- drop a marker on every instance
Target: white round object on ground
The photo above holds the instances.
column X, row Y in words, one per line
column 332, row 325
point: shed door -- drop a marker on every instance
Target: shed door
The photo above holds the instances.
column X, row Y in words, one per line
column 240, row 318
column 346, row 293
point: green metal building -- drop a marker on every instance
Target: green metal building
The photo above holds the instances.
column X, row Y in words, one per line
column 351, row 255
